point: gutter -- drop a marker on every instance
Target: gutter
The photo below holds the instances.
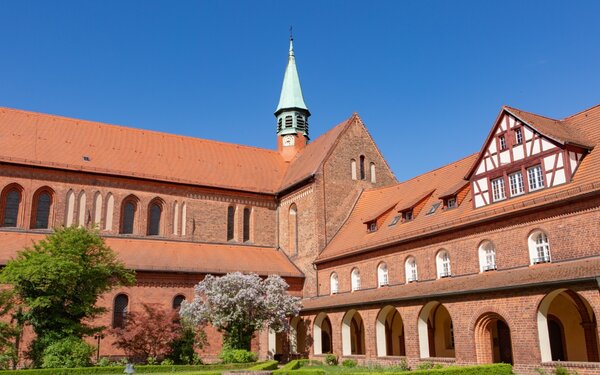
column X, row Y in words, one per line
column 458, row 293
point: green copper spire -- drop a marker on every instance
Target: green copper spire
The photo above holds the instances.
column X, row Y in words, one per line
column 292, row 113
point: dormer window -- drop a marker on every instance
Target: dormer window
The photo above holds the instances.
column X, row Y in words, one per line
column 407, row 215
column 518, row 136
column 502, row 141
column 451, row 202
column 372, row 227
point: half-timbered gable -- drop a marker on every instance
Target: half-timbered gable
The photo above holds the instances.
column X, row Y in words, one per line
column 523, row 153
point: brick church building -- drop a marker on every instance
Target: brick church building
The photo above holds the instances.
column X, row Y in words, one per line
column 491, row 258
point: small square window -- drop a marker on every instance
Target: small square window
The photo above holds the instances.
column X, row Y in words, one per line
column 451, row 202
column 502, row 142
column 407, row 215
column 433, row 208
column 372, row 227
column 518, row 136
column 395, row 220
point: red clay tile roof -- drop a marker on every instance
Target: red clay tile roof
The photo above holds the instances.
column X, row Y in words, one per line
column 560, row 131
column 308, row 161
column 540, row 275
column 174, row 256
column 353, row 238
column 59, row 142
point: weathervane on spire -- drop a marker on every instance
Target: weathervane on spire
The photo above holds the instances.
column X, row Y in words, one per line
column 291, row 35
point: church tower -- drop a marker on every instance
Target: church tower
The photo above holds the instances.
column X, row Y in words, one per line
column 291, row 113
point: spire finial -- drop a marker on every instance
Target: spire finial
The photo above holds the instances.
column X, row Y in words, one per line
column 291, row 42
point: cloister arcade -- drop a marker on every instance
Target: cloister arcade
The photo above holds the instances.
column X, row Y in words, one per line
column 566, row 330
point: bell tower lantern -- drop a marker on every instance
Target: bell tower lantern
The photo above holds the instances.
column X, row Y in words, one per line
column 291, row 113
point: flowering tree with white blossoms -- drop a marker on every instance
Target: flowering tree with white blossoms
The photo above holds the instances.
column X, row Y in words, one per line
column 239, row 304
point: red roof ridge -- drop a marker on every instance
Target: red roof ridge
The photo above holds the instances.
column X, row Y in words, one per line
column 370, row 190
column 131, row 128
column 509, row 108
column 582, row 111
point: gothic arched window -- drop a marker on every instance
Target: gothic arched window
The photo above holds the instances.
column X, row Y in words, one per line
column 293, row 229
column 128, row 210
column 246, row 235
column 11, row 203
column 40, row 213
column 154, row 216
column 362, row 167
column 120, row 308
column 230, row 222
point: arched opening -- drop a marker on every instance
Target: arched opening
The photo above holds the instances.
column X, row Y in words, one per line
column 155, row 209
column 355, row 278
column 110, row 207
column 353, row 168
column 539, row 247
column 97, row 208
column 177, row 301
column 120, row 308
column 128, row 212
column 298, row 335
column 70, row 208
column 492, row 339
column 410, row 268
column 246, row 226
column 40, row 211
column 184, row 220
column 382, row 274
column 322, row 335
column 567, row 328
column 442, row 262
column 10, row 202
column 82, row 209
column 487, row 256
column 175, row 218
column 230, row 223
column 389, row 330
column 362, row 167
column 333, row 283
column 436, row 331
column 293, row 230
column 353, row 334
column 276, row 345
column 373, row 177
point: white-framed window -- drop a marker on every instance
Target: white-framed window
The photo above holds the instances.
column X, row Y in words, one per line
column 539, row 247
column 502, row 140
column 334, row 283
column 382, row 274
column 355, row 279
column 518, row 136
column 451, row 202
column 443, row 264
column 487, row 256
column 535, row 177
column 410, row 268
column 516, row 184
column 498, row 193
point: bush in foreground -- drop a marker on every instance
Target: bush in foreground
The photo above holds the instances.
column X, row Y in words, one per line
column 237, row 356
column 68, row 352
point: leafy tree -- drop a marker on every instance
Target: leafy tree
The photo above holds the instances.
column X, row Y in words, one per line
column 240, row 304
column 9, row 332
column 149, row 333
column 59, row 280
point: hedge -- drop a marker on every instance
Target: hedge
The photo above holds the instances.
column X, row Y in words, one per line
column 495, row 369
column 141, row 369
column 294, row 368
column 265, row 366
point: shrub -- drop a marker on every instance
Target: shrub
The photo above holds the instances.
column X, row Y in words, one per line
column 68, row 352
column 425, row 366
column 349, row 363
column 103, row 362
column 265, row 366
column 237, row 356
column 167, row 362
column 331, row 359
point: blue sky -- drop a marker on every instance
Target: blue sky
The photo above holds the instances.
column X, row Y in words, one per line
column 427, row 77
